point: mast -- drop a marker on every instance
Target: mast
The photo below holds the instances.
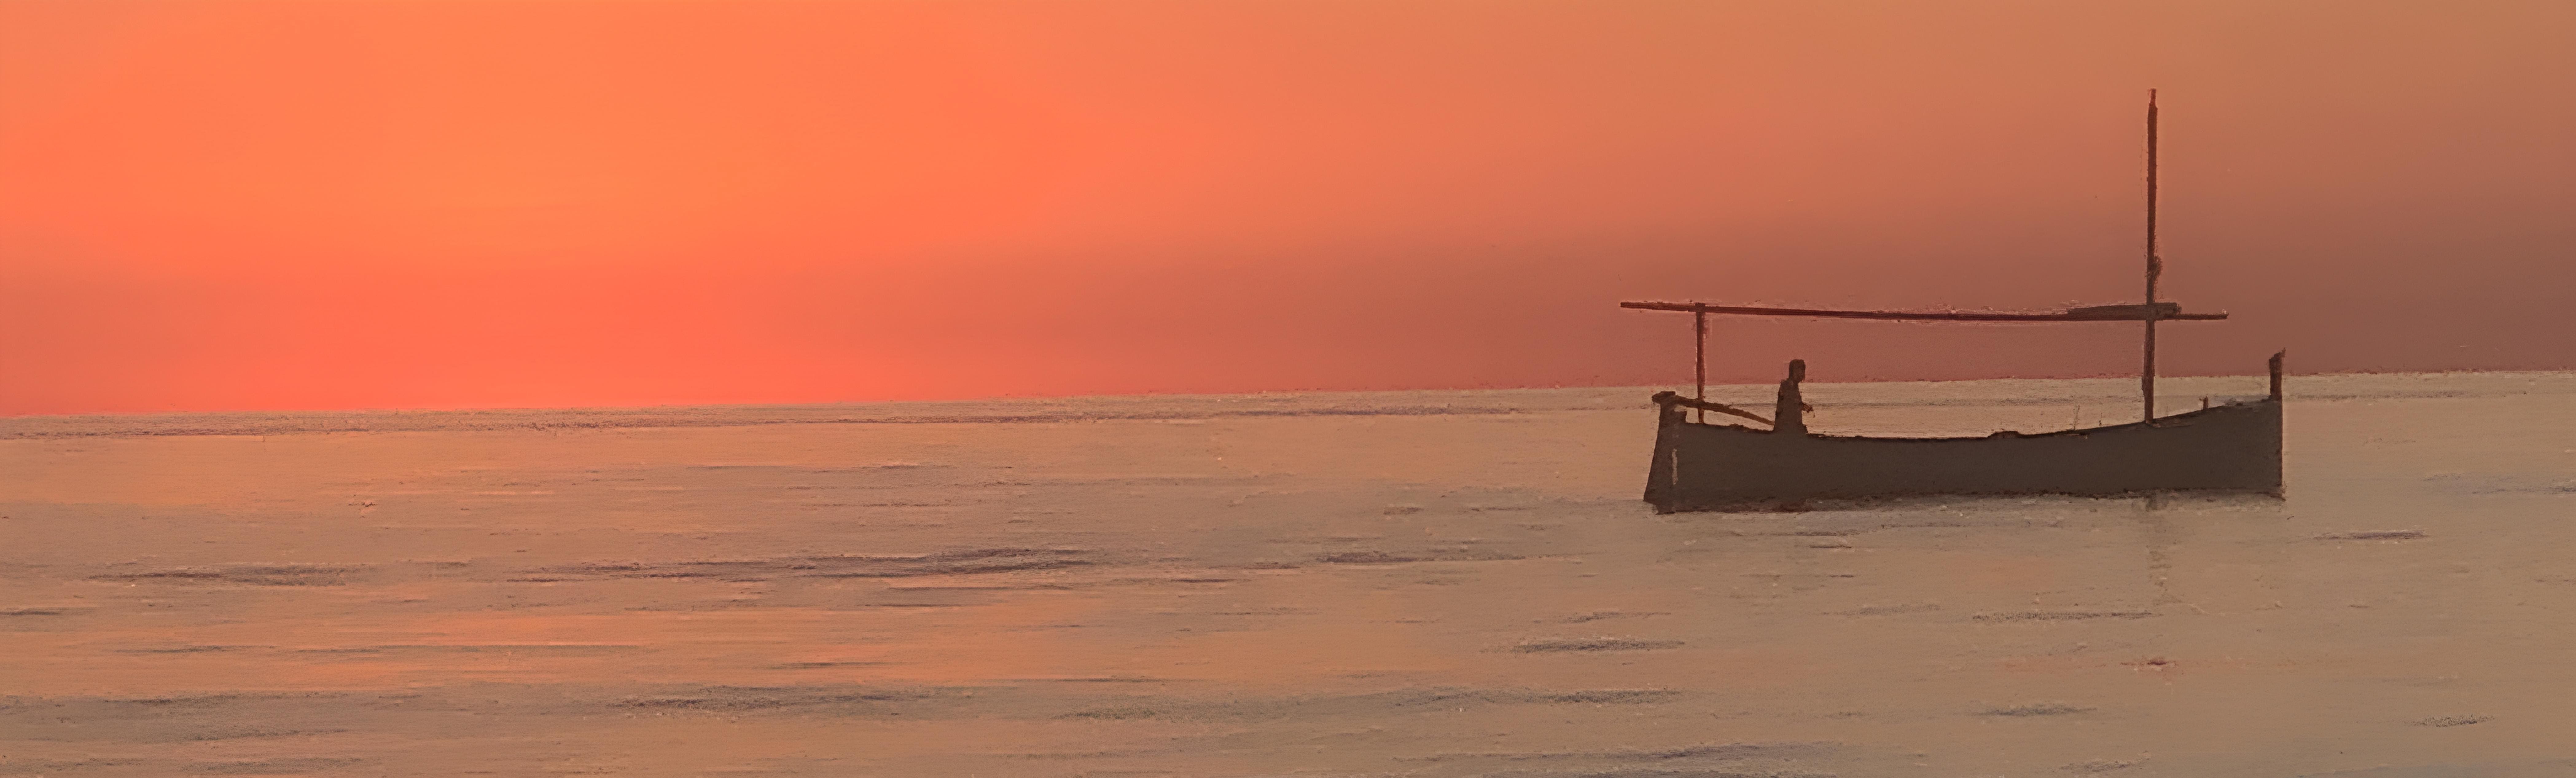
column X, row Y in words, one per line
column 2155, row 267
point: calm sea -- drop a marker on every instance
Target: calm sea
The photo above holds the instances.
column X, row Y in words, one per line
column 1403, row 583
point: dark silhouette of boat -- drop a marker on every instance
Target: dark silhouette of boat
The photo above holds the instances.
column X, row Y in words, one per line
column 2231, row 447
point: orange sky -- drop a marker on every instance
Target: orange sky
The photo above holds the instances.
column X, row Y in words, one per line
column 223, row 205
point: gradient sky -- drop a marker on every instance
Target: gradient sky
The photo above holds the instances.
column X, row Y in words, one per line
column 224, row 205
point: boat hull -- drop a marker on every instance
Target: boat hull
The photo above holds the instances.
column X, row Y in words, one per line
column 2228, row 448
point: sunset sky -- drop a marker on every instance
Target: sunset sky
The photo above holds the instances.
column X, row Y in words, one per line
column 230, row 205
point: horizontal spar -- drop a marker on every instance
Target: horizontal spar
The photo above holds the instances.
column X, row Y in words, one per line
column 1675, row 398
column 2163, row 312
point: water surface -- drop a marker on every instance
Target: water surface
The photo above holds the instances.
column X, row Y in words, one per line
column 1417, row 583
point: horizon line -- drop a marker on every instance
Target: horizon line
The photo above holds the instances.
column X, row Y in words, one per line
column 1177, row 394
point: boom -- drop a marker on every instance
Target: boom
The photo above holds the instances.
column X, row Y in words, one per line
column 2160, row 312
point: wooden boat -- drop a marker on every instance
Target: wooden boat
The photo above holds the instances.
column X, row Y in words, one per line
column 2232, row 447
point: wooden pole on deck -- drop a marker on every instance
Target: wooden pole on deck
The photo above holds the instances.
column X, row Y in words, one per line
column 1699, row 364
column 2155, row 267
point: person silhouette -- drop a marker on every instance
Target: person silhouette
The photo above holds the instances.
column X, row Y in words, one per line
column 1789, row 415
